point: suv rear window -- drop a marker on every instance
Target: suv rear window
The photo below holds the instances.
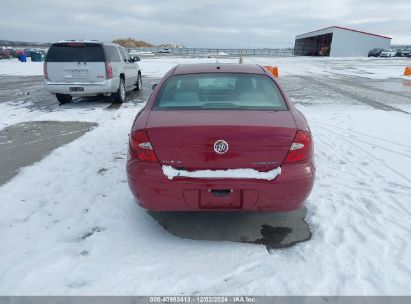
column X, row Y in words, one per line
column 75, row 52
column 217, row 91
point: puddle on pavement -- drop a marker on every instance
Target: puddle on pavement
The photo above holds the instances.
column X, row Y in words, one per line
column 272, row 229
column 25, row 143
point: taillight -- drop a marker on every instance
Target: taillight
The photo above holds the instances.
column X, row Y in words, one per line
column 46, row 74
column 141, row 148
column 301, row 148
column 109, row 71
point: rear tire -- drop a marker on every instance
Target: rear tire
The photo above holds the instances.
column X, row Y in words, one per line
column 139, row 84
column 120, row 95
column 64, row 98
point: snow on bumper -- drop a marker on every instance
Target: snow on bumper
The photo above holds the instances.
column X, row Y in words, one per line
column 154, row 191
column 171, row 172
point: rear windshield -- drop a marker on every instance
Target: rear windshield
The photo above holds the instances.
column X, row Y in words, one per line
column 75, row 52
column 220, row 91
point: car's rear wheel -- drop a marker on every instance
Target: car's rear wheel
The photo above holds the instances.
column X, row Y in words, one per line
column 139, row 83
column 120, row 95
column 64, row 98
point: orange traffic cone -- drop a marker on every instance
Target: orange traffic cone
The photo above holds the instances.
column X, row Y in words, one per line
column 272, row 70
column 407, row 71
column 275, row 71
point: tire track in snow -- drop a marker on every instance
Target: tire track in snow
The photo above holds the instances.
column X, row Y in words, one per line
column 368, row 191
column 366, row 218
column 365, row 134
column 352, row 92
column 349, row 140
column 361, row 85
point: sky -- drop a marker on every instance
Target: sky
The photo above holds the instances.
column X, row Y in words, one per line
column 200, row 23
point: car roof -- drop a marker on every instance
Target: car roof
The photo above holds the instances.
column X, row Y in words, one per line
column 196, row 68
column 87, row 41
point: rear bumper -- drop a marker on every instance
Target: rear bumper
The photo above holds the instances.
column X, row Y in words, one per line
column 155, row 192
column 90, row 89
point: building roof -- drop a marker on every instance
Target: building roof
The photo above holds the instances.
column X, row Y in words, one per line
column 346, row 29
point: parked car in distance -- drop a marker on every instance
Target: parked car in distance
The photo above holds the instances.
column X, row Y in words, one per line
column 89, row 68
column 388, row 53
column 8, row 53
column 5, row 54
column 165, row 51
column 398, row 53
column 406, row 53
column 26, row 52
column 375, row 52
column 220, row 137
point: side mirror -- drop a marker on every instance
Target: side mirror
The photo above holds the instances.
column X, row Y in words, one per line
column 154, row 86
column 136, row 58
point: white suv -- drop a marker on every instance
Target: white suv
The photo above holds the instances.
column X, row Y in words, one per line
column 388, row 53
column 89, row 68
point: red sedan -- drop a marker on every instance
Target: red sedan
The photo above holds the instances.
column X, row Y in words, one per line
column 220, row 137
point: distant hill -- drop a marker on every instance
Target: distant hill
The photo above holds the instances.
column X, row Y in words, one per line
column 124, row 42
column 132, row 43
column 23, row 43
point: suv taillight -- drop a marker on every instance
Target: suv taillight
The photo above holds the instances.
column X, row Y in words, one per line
column 141, row 148
column 301, row 149
column 46, row 75
column 109, row 71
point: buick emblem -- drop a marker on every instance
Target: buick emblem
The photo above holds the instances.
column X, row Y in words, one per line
column 220, row 146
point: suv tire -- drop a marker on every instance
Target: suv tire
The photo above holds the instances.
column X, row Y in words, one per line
column 63, row 98
column 120, row 95
column 139, row 84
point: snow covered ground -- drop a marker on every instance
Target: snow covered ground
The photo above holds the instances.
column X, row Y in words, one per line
column 15, row 67
column 69, row 225
column 372, row 68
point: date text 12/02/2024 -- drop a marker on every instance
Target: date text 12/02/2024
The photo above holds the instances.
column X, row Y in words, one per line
column 202, row 299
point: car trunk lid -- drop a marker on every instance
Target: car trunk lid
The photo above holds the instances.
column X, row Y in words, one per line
column 186, row 139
